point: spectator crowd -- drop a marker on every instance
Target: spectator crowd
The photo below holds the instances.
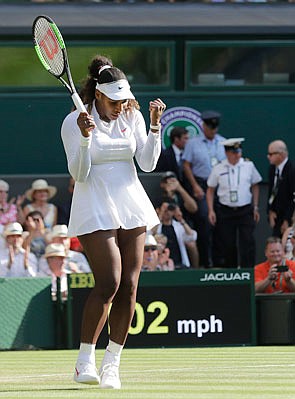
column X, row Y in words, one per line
column 208, row 206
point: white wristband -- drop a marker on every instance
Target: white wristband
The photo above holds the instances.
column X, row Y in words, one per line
column 155, row 127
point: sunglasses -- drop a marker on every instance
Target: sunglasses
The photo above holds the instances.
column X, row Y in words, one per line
column 152, row 248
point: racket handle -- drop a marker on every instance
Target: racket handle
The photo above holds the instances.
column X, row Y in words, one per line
column 78, row 103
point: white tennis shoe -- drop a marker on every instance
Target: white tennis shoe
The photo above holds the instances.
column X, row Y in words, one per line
column 109, row 377
column 86, row 373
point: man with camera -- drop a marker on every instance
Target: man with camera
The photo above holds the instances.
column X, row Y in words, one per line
column 275, row 275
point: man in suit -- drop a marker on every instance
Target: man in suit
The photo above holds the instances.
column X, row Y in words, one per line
column 171, row 158
column 281, row 192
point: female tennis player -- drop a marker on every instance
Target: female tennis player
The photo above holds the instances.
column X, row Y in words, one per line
column 110, row 210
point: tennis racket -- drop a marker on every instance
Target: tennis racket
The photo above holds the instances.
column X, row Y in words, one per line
column 52, row 53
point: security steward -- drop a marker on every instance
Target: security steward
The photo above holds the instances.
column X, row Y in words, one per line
column 236, row 210
column 201, row 153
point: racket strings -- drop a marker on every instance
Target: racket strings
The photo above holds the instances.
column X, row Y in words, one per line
column 49, row 46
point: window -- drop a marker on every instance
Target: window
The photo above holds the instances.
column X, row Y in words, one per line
column 240, row 63
column 147, row 65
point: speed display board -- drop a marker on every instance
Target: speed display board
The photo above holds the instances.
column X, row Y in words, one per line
column 182, row 308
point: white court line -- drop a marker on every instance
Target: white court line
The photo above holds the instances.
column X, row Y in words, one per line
column 199, row 368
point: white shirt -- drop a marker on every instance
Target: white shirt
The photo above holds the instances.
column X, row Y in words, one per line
column 73, row 256
column 237, row 178
column 182, row 238
column 17, row 268
column 108, row 193
column 178, row 153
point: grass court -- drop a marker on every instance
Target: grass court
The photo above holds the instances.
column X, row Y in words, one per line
column 200, row 373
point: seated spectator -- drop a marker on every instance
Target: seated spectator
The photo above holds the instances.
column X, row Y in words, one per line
column 15, row 261
column 58, row 266
column 10, row 211
column 150, row 256
column 288, row 240
column 59, row 235
column 191, row 245
column 176, row 233
column 173, row 192
column 164, row 259
column 275, row 275
column 65, row 208
column 39, row 194
column 35, row 237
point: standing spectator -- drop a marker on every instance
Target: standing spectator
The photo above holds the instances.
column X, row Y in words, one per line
column 200, row 155
column 236, row 212
column 15, row 261
column 281, row 189
column 39, row 195
column 171, row 159
column 275, row 275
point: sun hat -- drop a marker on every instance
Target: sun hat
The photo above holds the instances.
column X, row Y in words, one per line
column 40, row 184
column 55, row 250
column 4, row 186
column 11, row 229
column 150, row 241
column 59, row 230
column 116, row 90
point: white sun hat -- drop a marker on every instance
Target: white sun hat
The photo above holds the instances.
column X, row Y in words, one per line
column 40, row 184
column 12, row 229
column 4, row 186
column 55, row 250
column 59, row 230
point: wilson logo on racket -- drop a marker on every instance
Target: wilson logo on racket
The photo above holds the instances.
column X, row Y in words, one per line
column 49, row 44
column 51, row 51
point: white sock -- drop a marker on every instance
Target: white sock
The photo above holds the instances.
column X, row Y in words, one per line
column 86, row 353
column 112, row 353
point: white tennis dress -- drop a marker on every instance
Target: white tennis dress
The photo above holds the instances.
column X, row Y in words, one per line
column 108, row 193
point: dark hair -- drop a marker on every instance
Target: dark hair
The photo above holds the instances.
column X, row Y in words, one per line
column 171, row 206
column 34, row 213
column 87, row 92
column 177, row 132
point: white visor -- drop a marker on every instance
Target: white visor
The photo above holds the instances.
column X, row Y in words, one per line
column 118, row 90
